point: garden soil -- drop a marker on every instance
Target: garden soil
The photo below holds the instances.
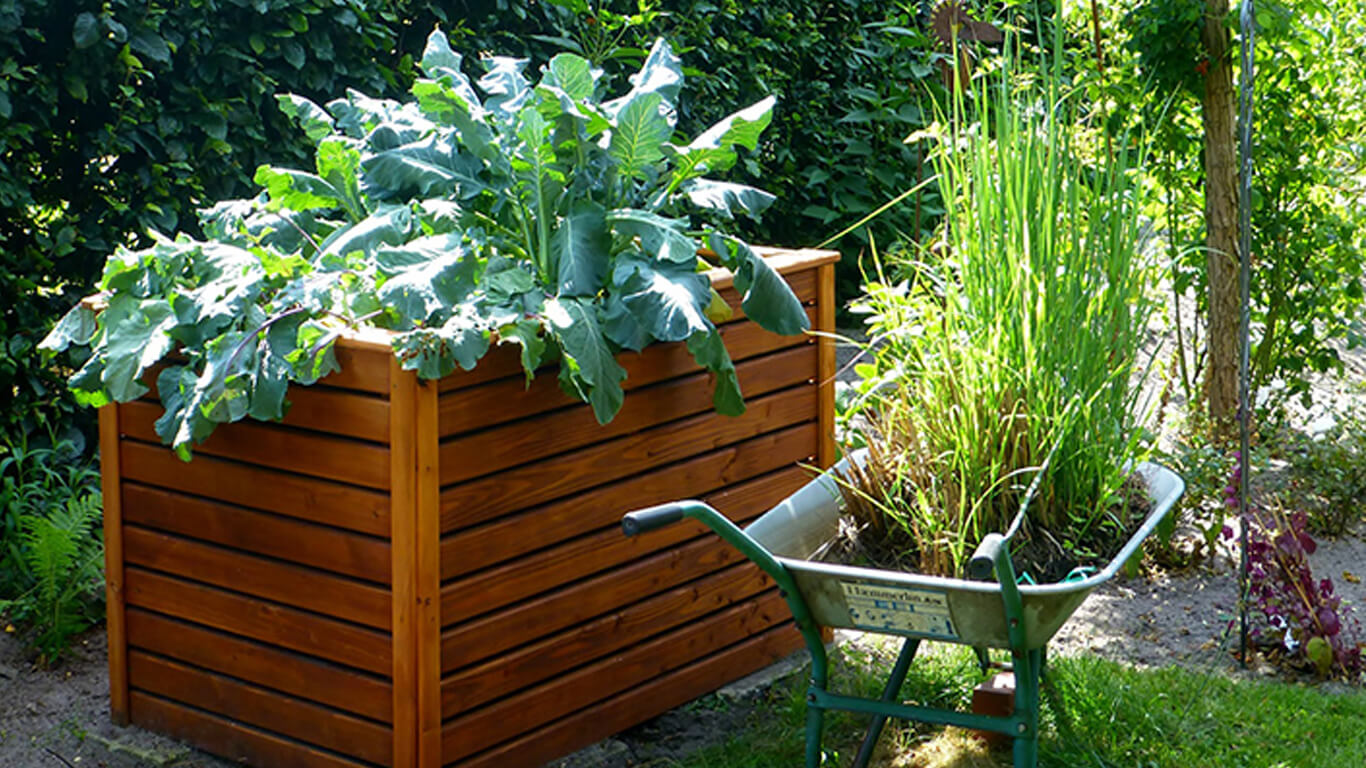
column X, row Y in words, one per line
column 58, row 717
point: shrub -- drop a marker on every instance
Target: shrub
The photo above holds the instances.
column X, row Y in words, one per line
column 51, row 552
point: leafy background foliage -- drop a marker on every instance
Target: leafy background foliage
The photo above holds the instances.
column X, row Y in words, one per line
column 121, row 116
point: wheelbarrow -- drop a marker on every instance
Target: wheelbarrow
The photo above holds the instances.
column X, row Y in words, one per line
column 991, row 613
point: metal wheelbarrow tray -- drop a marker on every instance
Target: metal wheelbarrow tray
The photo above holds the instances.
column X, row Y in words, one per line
column 984, row 614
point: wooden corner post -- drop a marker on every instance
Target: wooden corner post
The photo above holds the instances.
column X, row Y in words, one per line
column 825, row 357
column 112, row 494
column 415, row 552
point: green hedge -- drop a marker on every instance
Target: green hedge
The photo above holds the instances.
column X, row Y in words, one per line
column 127, row 115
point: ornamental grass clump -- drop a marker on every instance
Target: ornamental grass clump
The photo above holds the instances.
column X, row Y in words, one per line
column 1014, row 337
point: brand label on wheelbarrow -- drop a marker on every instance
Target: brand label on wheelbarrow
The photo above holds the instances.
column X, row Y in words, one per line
column 898, row 609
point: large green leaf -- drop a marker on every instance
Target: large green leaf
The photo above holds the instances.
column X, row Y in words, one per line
column 297, row 190
column 313, row 119
column 725, row 198
column 589, row 367
column 435, row 352
column 525, row 333
column 77, row 327
column 338, row 163
column 638, row 136
column 439, row 62
column 427, row 168
column 138, row 335
column 709, row 350
column 661, row 74
column 714, row 149
column 574, row 75
column 766, row 297
column 439, row 273
column 506, row 86
column 447, row 106
column 386, row 227
column 580, row 249
column 659, row 237
column 669, row 301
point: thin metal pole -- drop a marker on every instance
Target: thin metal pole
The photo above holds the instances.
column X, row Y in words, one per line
column 1247, row 36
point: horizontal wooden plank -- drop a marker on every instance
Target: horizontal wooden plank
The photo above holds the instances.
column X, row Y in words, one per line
column 279, row 582
column 226, row 738
column 339, row 412
column 569, row 693
column 608, row 548
column 281, row 670
column 480, row 500
column 475, row 686
column 637, row 705
column 364, row 367
column 505, row 360
column 300, row 451
column 269, row 490
column 493, row 450
column 510, row 398
column 473, row 549
column 273, row 624
column 287, row 538
column 249, row 704
column 475, row 640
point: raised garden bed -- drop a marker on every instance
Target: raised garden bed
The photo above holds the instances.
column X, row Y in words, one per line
column 409, row 573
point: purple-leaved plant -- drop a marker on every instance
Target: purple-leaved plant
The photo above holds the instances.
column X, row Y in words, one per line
column 1303, row 616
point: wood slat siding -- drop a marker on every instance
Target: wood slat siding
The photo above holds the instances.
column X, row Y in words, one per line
column 512, row 398
column 475, row 548
column 230, row 739
column 585, row 726
column 266, row 490
column 603, row 550
column 285, row 538
column 472, row 687
column 304, row 452
column 415, row 574
column 575, row 427
column 481, row 500
column 273, row 667
column 278, row 582
column 529, row 710
column 259, row 707
column 273, row 624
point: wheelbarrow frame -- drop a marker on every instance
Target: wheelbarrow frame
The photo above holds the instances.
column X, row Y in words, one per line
column 983, row 614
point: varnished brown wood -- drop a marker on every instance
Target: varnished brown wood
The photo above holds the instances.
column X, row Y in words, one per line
column 267, row 622
column 825, row 325
column 364, row 367
column 272, row 580
column 472, row 687
column 284, row 493
column 428, row 561
column 474, row 502
column 602, row 551
column 111, row 480
column 230, row 739
column 575, row 426
column 287, row 538
column 292, row 673
column 403, row 494
column 262, row 708
column 506, row 537
column 478, row 639
column 567, row 694
column 510, row 398
column 640, row 703
column 338, row 412
column 303, row 452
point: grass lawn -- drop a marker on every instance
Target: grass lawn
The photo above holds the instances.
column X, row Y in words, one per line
column 1098, row 713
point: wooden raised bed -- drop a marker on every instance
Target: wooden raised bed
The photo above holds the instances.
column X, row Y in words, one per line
column 409, row 573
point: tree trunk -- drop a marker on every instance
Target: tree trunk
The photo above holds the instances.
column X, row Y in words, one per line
column 1221, row 222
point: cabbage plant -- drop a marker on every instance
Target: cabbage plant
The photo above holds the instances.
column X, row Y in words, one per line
column 475, row 214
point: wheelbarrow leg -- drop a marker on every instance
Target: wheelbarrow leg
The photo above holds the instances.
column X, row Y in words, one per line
column 889, row 693
column 1028, row 666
